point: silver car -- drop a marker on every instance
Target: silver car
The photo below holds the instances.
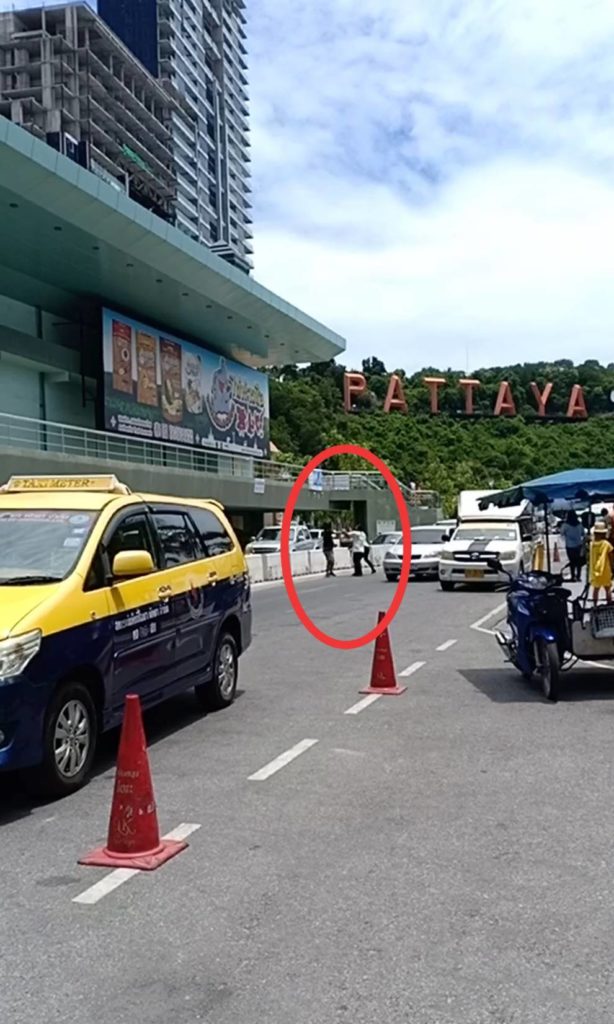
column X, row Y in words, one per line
column 426, row 548
column 268, row 541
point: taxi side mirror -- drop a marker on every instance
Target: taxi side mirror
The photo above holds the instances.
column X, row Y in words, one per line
column 128, row 564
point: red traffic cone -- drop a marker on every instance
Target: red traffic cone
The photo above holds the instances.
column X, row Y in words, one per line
column 383, row 679
column 134, row 837
column 555, row 554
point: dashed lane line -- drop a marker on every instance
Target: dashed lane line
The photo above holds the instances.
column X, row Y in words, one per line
column 362, row 704
column 447, row 645
column 409, row 671
column 280, row 762
column 116, row 878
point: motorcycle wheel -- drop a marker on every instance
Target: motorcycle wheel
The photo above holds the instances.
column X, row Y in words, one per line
column 549, row 669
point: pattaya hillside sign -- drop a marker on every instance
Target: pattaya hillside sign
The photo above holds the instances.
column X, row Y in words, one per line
column 355, row 384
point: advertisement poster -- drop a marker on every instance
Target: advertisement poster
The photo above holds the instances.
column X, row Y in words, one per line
column 160, row 388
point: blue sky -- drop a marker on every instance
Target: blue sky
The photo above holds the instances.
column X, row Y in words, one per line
column 436, row 180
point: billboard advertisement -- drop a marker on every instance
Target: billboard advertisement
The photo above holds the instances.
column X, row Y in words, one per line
column 160, row 388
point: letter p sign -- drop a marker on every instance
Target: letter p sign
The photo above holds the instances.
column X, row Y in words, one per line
column 354, row 384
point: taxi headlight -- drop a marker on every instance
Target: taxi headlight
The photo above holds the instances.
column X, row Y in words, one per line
column 17, row 652
column 508, row 556
column 446, row 553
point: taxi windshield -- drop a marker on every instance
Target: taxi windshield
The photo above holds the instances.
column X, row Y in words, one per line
column 41, row 545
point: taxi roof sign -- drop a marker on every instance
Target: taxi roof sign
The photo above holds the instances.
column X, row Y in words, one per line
column 105, row 484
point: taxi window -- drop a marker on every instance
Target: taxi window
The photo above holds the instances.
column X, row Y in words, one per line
column 132, row 534
column 212, row 532
column 41, row 544
column 179, row 541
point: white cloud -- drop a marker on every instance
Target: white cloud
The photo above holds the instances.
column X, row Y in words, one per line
column 439, row 176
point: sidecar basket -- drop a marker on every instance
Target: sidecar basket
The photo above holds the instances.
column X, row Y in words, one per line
column 602, row 622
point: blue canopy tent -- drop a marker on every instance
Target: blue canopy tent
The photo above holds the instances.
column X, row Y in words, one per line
column 574, row 485
column 581, row 485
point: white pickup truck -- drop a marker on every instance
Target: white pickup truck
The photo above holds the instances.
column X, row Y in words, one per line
column 481, row 535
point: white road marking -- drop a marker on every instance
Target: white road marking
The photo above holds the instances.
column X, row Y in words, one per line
column 362, row 704
column 280, row 762
column 105, row 886
column 596, row 664
column 120, row 875
column 409, row 671
column 479, row 625
column 448, row 644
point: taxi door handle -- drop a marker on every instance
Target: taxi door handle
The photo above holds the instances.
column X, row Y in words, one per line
column 212, row 577
column 164, row 593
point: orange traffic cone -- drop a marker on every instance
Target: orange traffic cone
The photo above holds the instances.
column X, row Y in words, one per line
column 555, row 554
column 383, row 679
column 134, row 837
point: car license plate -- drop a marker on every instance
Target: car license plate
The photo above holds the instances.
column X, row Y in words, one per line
column 474, row 574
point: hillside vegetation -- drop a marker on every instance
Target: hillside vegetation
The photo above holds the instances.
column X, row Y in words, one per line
column 449, row 452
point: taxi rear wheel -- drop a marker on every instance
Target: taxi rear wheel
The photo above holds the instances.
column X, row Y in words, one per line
column 221, row 691
column 69, row 743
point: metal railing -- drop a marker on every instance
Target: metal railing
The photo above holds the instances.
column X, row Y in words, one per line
column 25, row 434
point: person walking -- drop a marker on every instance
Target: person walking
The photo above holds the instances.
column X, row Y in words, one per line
column 357, row 538
column 366, row 554
column 328, row 547
column 573, row 535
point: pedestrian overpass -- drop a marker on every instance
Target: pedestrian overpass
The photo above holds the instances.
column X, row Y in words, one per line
column 247, row 487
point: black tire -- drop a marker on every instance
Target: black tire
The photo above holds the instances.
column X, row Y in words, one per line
column 446, row 585
column 549, row 669
column 220, row 692
column 72, row 708
column 390, row 578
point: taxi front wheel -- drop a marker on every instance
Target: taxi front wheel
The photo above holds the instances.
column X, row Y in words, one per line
column 69, row 743
column 220, row 692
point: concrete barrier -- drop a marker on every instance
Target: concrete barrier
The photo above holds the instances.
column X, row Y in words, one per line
column 272, row 567
column 265, row 568
column 255, row 568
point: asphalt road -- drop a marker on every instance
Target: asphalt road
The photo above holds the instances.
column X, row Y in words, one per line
column 443, row 857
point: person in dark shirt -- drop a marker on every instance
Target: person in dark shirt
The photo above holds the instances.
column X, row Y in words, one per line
column 328, row 547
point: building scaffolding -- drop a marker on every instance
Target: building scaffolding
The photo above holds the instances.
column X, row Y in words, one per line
column 66, row 78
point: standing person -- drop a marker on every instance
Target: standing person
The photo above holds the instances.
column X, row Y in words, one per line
column 572, row 533
column 600, row 564
column 358, row 549
column 328, row 547
column 366, row 553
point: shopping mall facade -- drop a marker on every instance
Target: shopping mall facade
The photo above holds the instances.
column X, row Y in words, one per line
column 127, row 347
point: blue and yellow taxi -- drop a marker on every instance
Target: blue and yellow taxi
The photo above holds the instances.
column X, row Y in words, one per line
column 103, row 593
